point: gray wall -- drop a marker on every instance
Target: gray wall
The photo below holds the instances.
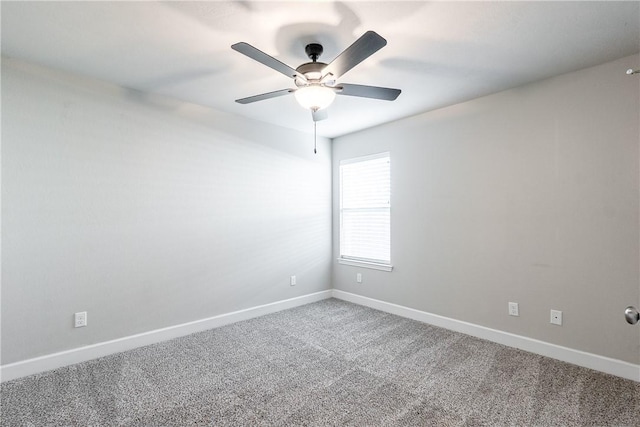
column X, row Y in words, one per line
column 147, row 212
column 529, row 195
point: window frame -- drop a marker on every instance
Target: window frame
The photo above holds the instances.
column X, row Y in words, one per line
column 356, row 261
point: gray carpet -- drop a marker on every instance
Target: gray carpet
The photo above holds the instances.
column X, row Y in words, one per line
column 328, row 363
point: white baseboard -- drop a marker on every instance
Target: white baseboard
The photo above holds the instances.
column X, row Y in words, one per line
column 82, row 354
column 581, row 358
column 69, row 357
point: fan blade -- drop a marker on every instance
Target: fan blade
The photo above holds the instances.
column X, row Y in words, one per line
column 263, row 58
column 368, row 44
column 375, row 92
column 263, row 96
column 319, row 115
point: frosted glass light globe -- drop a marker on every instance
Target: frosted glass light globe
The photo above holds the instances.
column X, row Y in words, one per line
column 314, row 97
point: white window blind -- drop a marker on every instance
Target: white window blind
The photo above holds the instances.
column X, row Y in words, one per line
column 365, row 209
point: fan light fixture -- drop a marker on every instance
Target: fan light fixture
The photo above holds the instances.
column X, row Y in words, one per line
column 316, row 81
column 314, row 97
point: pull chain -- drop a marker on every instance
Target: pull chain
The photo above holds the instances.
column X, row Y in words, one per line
column 315, row 139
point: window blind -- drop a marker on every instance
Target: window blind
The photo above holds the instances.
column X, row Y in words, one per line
column 365, row 209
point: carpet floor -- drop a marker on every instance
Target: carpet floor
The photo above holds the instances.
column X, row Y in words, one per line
column 327, row 363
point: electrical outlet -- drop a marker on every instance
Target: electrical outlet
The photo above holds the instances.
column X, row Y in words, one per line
column 359, row 277
column 513, row 309
column 556, row 317
column 292, row 282
column 80, row 319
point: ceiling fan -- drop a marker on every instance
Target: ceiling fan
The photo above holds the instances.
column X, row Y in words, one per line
column 316, row 82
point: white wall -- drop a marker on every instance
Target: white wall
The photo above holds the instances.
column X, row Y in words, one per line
column 529, row 195
column 146, row 212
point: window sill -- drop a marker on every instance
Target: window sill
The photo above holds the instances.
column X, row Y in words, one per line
column 365, row 264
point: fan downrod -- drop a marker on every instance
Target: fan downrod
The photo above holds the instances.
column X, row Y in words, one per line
column 313, row 51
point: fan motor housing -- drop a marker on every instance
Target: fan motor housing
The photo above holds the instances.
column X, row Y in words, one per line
column 311, row 70
column 311, row 67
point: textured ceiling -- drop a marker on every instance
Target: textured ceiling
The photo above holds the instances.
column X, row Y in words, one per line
column 438, row 53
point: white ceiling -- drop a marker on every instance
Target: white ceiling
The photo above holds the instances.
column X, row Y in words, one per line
column 438, row 53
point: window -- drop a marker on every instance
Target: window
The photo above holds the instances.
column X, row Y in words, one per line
column 365, row 212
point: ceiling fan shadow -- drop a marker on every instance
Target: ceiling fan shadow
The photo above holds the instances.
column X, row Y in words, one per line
column 152, row 100
column 439, row 70
column 163, row 91
column 170, row 80
column 215, row 16
column 292, row 39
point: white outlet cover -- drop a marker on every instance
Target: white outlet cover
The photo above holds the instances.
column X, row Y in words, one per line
column 556, row 317
column 293, row 281
column 359, row 277
column 513, row 309
column 80, row 319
